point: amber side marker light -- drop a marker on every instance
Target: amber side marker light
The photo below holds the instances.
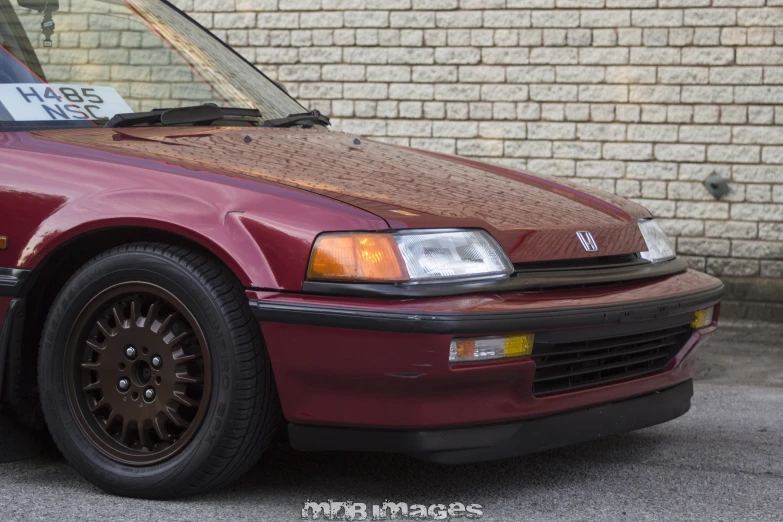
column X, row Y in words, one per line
column 357, row 257
column 491, row 348
column 3, row 242
column 703, row 318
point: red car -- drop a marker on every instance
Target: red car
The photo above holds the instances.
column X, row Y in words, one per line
column 192, row 264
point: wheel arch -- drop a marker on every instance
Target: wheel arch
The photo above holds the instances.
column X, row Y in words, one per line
column 47, row 279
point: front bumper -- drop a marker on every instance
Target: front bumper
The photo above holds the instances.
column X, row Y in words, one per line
column 383, row 363
column 481, row 443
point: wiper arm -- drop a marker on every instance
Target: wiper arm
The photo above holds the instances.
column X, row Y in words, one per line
column 197, row 114
column 307, row 119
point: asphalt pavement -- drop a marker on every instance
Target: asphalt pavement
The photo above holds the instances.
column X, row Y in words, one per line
column 721, row 461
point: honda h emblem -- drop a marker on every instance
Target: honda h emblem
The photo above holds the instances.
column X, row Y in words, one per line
column 587, row 241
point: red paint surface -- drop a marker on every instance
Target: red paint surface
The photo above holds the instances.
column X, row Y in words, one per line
column 259, row 206
column 362, row 378
column 50, row 192
column 352, row 378
column 533, row 218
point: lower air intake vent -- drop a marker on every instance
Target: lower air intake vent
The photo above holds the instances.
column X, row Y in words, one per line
column 567, row 366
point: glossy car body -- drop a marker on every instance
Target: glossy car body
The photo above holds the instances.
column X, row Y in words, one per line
column 357, row 363
column 365, row 366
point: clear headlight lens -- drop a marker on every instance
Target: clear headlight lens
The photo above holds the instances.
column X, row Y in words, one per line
column 452, row 255
column 409, row 256
column 659, row 247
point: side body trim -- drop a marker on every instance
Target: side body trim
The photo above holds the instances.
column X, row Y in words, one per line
column 12, row 281
column 6, row 327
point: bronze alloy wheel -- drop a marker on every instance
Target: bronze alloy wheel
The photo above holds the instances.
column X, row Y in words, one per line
column 138, row 373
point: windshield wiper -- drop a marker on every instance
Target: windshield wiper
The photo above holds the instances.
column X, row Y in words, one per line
column 195, row 115
column 306, row 119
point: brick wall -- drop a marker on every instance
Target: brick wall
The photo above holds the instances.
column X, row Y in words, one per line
column 643, row 98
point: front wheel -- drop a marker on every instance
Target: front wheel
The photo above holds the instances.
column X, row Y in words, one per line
column 154, row 379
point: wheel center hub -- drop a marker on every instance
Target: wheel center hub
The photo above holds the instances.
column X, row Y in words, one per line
column 141, row 373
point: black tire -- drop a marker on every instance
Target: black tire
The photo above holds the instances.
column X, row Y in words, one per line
column 241, row 414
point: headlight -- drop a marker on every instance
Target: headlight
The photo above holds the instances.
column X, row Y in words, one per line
column 415, row 256
column 659, row 247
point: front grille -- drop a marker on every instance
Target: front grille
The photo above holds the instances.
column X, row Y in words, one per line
column 591, row 263
column 572, row 365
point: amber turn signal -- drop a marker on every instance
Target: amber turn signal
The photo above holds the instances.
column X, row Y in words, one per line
column 357, row 257
column 703, row 318
column 489, row 348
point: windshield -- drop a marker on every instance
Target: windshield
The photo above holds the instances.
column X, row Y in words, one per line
column 76, row 63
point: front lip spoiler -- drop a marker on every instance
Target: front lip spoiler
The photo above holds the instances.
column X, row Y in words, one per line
column 521, row 281
column 498, row 441
column 478, row 323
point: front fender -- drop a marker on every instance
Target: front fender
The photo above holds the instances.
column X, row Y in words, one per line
column 264, row 239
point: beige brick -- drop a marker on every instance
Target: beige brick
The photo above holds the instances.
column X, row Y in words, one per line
column 551, row 131
column 732, row 267
column 655, row 37
column 705, row 134
column 529, row 149
column 757, row 249
column 682, row 227
column 600, row 169
column 552, row 167
column 655, row 56
column 603, row 93
column 652, row 133
column 703, row 246
column 731, row 229
column 734, row 153
column 601, row 131
column 577, row 150
column 630, row 75
column 657, row 18
column 680, row 153
column 629, row 152
column 683, row 75
column 757, row 212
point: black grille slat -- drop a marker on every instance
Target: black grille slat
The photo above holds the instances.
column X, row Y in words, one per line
column 609, row 346
column 590, row 263
column 603, row 368
column 569, row 388
column 571, row 365
column 577, row 360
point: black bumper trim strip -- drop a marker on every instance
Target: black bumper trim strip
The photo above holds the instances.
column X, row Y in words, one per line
column 6, row 327
column 499, row 441
column 535, row 280
column 12, row 280
column 477, row 323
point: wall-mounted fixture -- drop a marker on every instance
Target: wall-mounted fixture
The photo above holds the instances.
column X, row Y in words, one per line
column 717, row 186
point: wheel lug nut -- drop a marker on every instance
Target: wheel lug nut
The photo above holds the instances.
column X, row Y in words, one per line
column 157, row 362
column 130, row 352
column 123, row 384
column 149, row 394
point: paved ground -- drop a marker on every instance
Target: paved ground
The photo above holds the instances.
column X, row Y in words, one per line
column 722, row 461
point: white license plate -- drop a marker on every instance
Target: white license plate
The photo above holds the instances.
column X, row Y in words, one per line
column 60, row 102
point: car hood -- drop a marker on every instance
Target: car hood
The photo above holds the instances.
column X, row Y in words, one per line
column 534, row 218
